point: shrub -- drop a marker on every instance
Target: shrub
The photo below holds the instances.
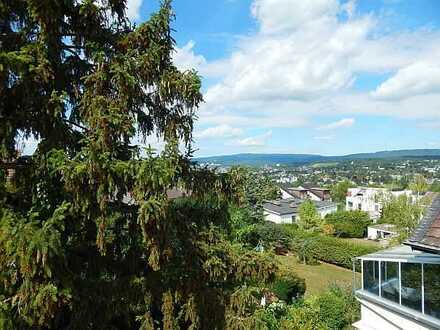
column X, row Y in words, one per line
column 289, row 287
column 349, row 223
column 334, row 309
column 269, row 234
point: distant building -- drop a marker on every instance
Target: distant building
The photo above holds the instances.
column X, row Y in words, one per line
column 400, row 286
column 306, row 192
column 371, row 200
column 286, row 210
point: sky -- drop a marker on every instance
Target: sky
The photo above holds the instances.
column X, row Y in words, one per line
column 318, row 76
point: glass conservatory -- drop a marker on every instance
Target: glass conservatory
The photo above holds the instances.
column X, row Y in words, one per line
column 404, row 281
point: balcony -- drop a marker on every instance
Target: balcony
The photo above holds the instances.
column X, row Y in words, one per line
column 400, row 286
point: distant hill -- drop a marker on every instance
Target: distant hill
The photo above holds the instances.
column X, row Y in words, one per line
column 299, row 159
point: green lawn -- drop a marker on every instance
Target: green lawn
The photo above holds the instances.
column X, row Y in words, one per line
column 362, row 241
column 318, row 277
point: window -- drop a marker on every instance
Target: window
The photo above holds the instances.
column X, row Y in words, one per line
column 431, row 275
column 390, row 280
column 371, row 276
column 411, row 290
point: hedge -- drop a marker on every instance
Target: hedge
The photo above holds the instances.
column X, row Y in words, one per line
column 332, row 250
column 349, row 223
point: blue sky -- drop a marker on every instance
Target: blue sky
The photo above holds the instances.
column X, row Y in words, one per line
column 318, row 76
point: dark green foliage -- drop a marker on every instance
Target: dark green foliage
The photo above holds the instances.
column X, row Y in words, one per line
column 88, row 236
column 252, row 189
column 268, row 233
column 349, row 223
column 289, row 287
column 332, row 250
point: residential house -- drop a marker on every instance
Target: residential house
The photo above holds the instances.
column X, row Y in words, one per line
column 400, row 286
column 286, row 210
column 371, row 200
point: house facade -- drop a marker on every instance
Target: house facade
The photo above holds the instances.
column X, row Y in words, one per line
column 371, row 200
column 400, row 286
column 286, row 210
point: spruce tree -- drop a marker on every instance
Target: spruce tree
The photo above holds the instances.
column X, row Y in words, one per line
column 89, row 238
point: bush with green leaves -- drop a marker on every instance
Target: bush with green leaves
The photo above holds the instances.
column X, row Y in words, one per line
column 349, row 223
column 335, row 309
column 331, row 310
column 289, row 287
column 268, row 234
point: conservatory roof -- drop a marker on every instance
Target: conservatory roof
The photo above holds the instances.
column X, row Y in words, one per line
column 403, row 253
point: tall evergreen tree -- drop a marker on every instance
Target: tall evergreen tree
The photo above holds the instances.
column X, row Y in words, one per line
column 88, row 237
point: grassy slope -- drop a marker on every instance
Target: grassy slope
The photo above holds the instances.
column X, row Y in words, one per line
column 318, row 277
column 362, row 241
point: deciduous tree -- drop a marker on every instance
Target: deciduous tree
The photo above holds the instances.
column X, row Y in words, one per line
column 309, row 218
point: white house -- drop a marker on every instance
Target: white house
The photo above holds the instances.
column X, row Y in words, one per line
column 286, row 210
column 381, row 231
column 400, row 287
column 371, row 199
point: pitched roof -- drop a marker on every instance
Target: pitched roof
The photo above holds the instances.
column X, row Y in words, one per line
column 290, row 205
column 427, row 235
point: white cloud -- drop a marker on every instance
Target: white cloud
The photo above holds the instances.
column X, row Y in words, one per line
column 256, row 141
column 221, row 131
column 417, row 78
column 302, row 63
column 280, row 15
column 299, row 66
column 345, row 122
column 133, row 9
column 185, row 59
